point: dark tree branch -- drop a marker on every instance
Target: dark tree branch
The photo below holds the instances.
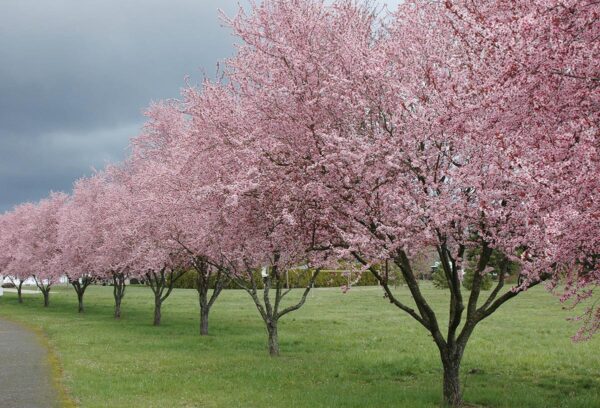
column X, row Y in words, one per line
column 504, row 298
column 304, row 295
column 389, row 293
column 499, row 286
column 486, row 253
column 424, row 309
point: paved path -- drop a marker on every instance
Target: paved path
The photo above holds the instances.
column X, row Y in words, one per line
column 25, row 375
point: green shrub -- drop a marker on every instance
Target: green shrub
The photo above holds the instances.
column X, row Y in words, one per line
column 298, row 278
column 486, row 283
column 496, row 262
column 326, row 279
column 438, row 278
column 189, row 280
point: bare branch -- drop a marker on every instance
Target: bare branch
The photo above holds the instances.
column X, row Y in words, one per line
column 304, row 295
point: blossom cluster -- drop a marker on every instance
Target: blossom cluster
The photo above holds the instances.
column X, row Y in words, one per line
column 335, row 131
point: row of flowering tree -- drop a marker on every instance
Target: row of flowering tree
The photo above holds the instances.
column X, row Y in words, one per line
column 337, row 134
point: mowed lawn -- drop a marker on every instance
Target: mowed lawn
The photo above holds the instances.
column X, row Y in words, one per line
column 339, row 350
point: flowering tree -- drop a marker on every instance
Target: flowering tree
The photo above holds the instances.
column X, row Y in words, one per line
column 252, row 221
column 540, row 81
column 265, row 237
column 159, row 263
column 468, row 127
column 155, row 256
column 177, row 180
column 39, row 248
column 113, row 211
column 12, row 263
column 79, row 237
column 425, row 136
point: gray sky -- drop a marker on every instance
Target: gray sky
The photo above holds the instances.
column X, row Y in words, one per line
column 76, row 75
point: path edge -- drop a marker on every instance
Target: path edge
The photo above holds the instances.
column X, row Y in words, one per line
column 56, row 370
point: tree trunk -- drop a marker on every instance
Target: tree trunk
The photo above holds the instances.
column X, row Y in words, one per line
column 118, row 292
column 452, row 389
column 270, row 311
column 45, row 289
column 205, row 272
column 203, row 300
column 204, row 320
column 273, row 339
column 80, row 288
column 80, row 300
column 117, row 307
column 157, row 305
column 19, row 294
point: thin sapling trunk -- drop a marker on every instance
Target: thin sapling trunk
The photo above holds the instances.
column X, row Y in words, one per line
column 80, row 285
column 44, row 288
column 20, row 291
column 161, row 284
column 118, row 291
column 205, row 272
column 270, row 310
column 19, row 287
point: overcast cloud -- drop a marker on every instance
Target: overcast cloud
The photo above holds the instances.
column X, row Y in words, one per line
column 76, row 75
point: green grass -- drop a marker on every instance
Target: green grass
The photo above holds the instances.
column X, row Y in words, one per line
column 352, row 350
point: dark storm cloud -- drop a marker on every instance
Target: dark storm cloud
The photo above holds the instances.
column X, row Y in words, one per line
column 76, row 75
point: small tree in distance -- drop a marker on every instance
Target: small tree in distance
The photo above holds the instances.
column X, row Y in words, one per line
column 12, row 264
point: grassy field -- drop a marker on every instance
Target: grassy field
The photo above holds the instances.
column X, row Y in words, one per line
column 352, row 350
